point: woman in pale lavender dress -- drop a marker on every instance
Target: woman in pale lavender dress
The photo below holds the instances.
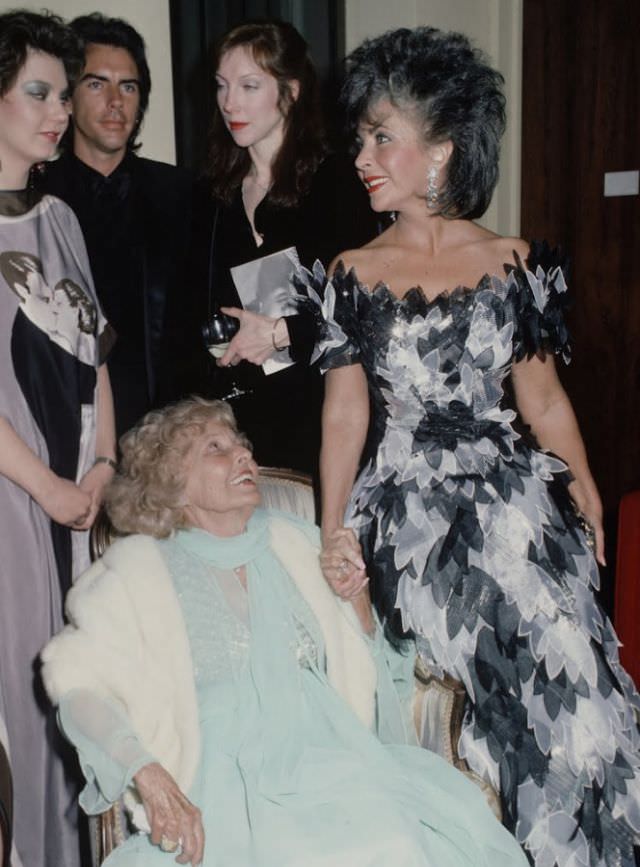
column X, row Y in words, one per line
column 56, row 424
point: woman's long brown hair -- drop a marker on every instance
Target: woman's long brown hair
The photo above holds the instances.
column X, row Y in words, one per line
column 279, row 50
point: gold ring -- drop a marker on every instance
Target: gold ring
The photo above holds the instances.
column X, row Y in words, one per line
column 168, row 845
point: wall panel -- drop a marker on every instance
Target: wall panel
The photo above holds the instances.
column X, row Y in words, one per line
column 581, row 118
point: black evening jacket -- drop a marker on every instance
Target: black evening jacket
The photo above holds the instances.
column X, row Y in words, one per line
column 281, row 412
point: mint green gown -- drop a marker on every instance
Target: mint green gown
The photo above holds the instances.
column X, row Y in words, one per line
column 288, row 774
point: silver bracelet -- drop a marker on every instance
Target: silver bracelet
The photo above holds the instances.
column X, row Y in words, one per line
column 103, row 459
column 273, row 336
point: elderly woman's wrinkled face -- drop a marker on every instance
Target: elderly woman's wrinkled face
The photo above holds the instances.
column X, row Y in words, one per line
column 221, row 488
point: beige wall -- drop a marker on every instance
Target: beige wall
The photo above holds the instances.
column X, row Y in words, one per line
column 496, row 27
column 151, row 18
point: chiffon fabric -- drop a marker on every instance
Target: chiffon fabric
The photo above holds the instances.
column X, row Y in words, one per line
column 288, row 774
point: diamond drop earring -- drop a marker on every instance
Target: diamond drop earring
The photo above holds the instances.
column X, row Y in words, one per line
column 432, row 187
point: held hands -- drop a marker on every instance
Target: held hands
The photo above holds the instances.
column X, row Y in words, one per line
column 256, row 340
column 175, row 822
column 590, row 509
column 342, row 564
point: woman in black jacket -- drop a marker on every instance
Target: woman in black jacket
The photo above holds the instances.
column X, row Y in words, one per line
column 274, row 186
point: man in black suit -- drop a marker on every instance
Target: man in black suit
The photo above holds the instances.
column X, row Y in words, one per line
column 134, row 213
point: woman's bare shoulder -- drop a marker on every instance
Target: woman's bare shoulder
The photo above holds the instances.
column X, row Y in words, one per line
column 348, row 259
column 492, row 252
column 362, row 260
column 512, row 245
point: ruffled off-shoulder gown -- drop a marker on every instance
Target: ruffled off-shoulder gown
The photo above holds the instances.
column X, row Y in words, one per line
column 471, row 542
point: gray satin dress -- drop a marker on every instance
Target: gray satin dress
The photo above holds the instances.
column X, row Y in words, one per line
column 50, row 327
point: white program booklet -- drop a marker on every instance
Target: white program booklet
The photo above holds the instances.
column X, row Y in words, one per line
column 264, row 286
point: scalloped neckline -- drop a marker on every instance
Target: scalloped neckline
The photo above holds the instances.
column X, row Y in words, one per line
column 417, row 291
column 445, row 295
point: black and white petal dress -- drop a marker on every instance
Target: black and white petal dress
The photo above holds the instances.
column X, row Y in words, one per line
column 472, row 543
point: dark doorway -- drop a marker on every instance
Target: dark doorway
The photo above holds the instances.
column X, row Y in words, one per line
column 196, row 24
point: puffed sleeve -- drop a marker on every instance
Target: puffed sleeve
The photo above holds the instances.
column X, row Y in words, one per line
column 334, row 304
column 541, row 301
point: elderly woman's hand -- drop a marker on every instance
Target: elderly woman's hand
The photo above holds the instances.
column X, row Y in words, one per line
column 257, row 339
column 342, row 563
column 175, row 822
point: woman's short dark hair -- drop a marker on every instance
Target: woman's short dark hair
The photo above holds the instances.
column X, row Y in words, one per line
column 97, row 29
column 21, row 31
column 279, row 50
column 451, row 91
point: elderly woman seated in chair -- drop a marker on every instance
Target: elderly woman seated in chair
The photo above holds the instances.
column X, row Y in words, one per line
column 248, row 716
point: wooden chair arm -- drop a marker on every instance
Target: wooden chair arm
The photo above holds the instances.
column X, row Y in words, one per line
column 109, row 831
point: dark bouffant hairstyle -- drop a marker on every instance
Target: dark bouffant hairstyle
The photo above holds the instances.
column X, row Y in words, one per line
column 21, row 30
column 279, row 50
column 97, row 29
column 453, row 94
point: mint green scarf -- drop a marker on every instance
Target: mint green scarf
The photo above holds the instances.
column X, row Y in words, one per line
column 274, row 673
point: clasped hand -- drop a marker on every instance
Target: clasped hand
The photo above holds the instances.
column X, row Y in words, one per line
column 342, row 564
column 75, row 505
column 176, row 823
column 68, row 504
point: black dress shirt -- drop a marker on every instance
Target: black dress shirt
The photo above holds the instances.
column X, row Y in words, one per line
column 136, row 226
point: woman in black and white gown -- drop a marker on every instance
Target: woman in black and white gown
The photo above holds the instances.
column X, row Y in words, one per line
column 469, row 535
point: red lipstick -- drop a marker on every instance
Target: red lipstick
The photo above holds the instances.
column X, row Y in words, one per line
column 373, row 183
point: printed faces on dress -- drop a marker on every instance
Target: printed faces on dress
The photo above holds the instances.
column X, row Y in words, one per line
column 65, row 313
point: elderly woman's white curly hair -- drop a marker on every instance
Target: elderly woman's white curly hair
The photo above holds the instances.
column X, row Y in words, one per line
column 144, row 496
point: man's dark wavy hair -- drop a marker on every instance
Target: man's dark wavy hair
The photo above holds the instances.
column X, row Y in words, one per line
column 21, row 30
column 97, row 29
column 451, row 92
column 280, row 50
